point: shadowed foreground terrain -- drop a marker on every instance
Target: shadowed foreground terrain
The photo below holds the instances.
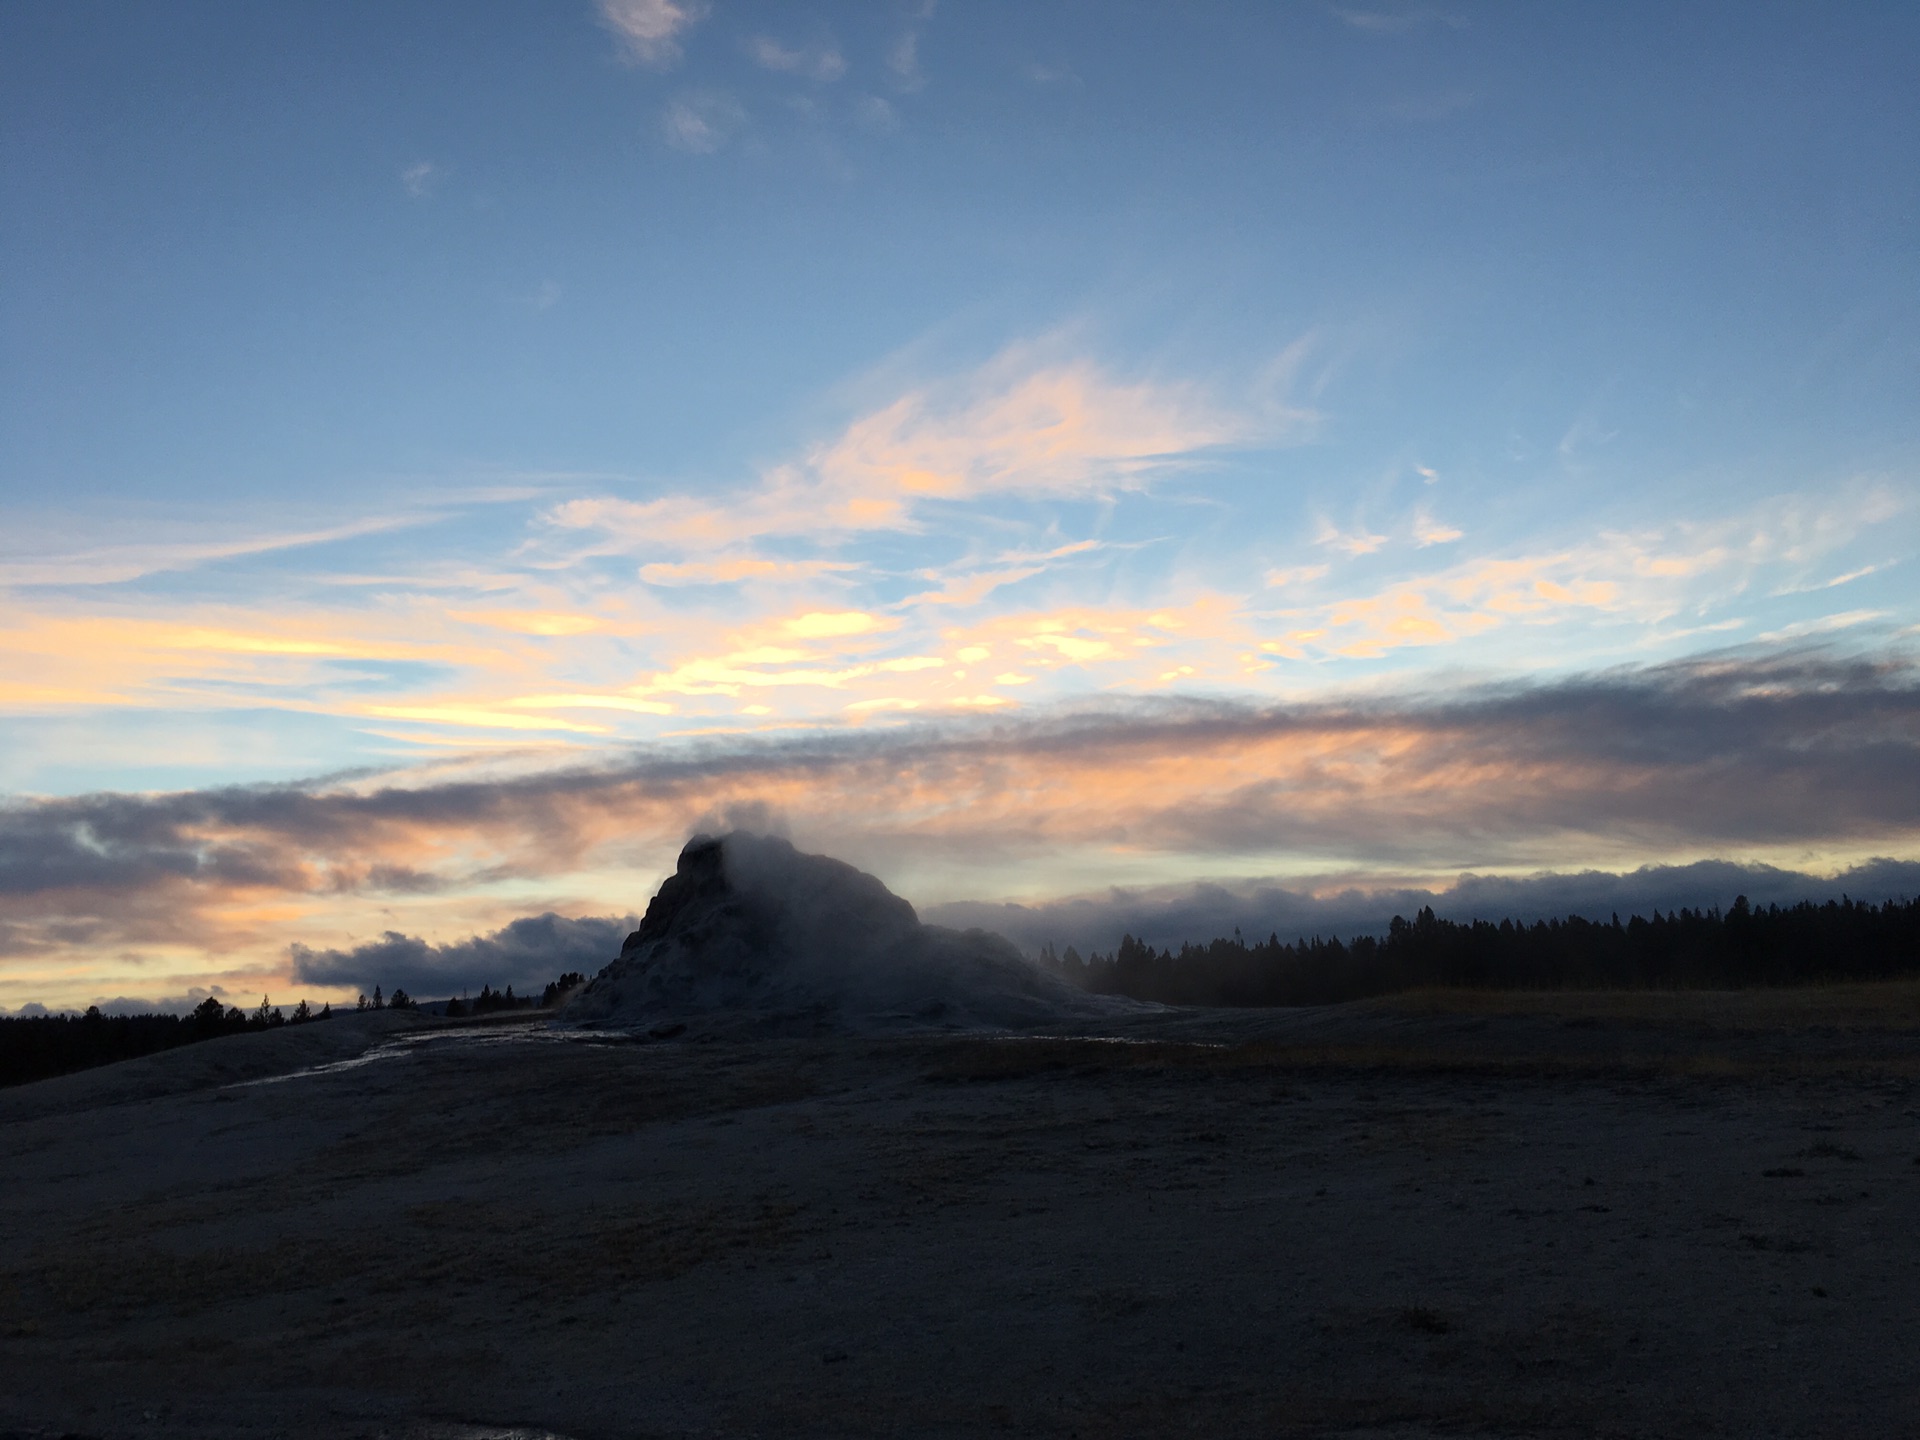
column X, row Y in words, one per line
column 1500, row 1214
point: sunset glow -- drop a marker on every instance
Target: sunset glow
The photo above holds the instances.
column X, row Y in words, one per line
column 1170, row 451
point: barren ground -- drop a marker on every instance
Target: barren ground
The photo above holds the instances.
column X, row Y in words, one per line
column 1448, row 1214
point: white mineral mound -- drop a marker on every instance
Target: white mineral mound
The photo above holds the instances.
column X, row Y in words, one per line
column 750, row 933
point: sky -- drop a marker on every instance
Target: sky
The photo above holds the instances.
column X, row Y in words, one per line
column 1089, row 464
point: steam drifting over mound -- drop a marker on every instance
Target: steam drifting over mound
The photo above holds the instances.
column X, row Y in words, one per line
column 750, row 930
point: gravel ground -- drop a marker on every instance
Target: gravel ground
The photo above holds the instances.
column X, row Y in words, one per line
column 1448, row 1214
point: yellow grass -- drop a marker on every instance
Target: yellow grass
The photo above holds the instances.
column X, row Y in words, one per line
column 1871, row 1005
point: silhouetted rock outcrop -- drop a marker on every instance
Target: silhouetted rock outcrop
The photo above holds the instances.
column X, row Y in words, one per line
column 751, row 932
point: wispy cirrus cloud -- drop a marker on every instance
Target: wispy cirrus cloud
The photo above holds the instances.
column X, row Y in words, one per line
column 650, row 31
column 1058, row 430
column 1428, row 531
column 903, row 59
column 1824, row 625
column 702, row 122
column 618, row 618
column 967, row 585
column 1643, row 578
column 1355, row 542
column 1397, row 19
column 876, row 113
column 220, row 655
column 733, row 569
column 967, row 519
column 821, row 61
column 49, row 563
column 420, row 178
column 1807, row 587
column 1013, row 427
column 903, row 55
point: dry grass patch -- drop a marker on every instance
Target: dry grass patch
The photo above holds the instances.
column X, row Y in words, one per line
column 1013, row 1058
column 1868, row 1005
column 434, row 1249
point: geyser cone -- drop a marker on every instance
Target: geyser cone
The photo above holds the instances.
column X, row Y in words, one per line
column 750, row 930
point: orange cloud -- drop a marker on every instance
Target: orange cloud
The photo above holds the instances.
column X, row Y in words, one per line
column 1012, row 426
column 1770, row 760
column 1061, row 430
column 531, row 622
column 733, row 569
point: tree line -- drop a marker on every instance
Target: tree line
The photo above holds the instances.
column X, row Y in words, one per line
column 490, row 1001
column 1746, row 945
column 37, row 1047
column 34, row 1047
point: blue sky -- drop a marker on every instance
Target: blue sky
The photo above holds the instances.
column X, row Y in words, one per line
column 491, row 390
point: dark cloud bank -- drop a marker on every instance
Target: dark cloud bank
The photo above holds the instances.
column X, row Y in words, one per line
column 531, row 951
column 1805, row 749
column 525, row 954
column 1206, row 912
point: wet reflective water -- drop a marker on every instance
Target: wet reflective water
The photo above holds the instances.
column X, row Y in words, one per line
column 524, row 1032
